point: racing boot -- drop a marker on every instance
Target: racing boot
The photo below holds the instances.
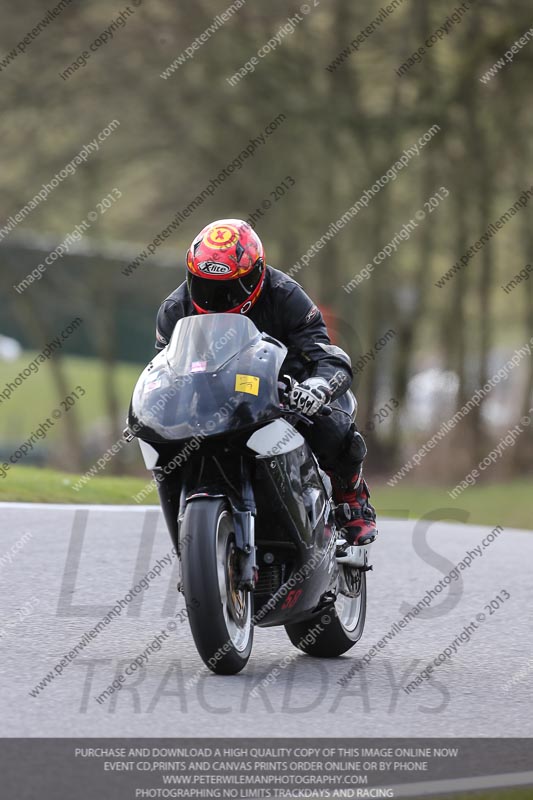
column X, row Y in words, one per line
column 356, row 518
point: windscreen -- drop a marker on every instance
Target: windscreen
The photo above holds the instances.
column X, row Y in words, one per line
column 205, row 342
column 218, row 375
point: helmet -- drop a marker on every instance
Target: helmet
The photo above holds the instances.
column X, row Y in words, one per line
column 225, row 267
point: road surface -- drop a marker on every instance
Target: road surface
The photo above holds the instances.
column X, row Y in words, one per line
column 63, row 567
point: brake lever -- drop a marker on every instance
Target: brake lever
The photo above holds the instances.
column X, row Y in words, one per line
column 299, row 416
column 325, row 411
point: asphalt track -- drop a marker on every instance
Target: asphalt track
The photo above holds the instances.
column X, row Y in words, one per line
column 72, row 564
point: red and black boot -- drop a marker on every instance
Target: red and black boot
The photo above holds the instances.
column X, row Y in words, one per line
column 355, row 515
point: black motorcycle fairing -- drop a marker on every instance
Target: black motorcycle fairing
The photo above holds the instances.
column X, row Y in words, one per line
column 217, row 375
column 293, row 508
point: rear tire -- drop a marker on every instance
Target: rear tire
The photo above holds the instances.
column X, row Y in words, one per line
column 338, row 627
column 220, row 616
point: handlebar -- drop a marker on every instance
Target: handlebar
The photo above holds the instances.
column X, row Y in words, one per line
column 325, row 411
column 285, row 387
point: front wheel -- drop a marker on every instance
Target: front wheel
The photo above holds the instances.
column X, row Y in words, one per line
column 339, row 626
column 220, row 615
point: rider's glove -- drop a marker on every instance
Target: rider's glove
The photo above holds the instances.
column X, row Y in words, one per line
column 310, row 396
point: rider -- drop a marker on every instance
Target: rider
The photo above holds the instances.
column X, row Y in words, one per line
column 226, row 272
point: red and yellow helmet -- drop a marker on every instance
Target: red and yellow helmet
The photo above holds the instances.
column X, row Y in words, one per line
column 225, row 267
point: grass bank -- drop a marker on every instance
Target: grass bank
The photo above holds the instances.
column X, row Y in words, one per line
column 506, row 504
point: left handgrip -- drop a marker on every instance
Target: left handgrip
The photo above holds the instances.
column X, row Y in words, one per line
column 128, row 435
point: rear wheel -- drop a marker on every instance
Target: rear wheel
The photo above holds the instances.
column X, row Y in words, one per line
column 220, row 614
column 339, row 626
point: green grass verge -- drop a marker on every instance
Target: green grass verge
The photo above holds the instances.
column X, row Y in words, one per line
column 506, row 504
column 34, row 485
column 33, row 401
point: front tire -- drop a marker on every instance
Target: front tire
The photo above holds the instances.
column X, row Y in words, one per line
column 220, row 615
column 339, row 626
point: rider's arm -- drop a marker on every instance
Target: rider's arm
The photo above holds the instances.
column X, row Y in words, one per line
column 170, row 312
column 306, row 334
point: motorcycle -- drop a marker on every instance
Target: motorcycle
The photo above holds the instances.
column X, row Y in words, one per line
column 250, row 511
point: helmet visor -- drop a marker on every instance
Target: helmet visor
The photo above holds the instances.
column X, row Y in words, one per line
column 221, row 296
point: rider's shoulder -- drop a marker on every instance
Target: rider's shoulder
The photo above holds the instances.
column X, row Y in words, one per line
column 278, row 280
column 179, row 299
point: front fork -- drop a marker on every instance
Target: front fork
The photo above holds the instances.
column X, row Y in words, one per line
column 243, row 510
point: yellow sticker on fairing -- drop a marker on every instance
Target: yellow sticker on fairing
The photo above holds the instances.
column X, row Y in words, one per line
column 247, row 383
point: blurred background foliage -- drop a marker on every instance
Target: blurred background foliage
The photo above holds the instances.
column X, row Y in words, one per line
column 343, row 130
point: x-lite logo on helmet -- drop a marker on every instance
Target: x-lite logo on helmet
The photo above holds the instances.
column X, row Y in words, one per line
column 214, row 268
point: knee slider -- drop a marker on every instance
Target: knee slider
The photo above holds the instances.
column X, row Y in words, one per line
column 352, row 454
column 357, row 445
